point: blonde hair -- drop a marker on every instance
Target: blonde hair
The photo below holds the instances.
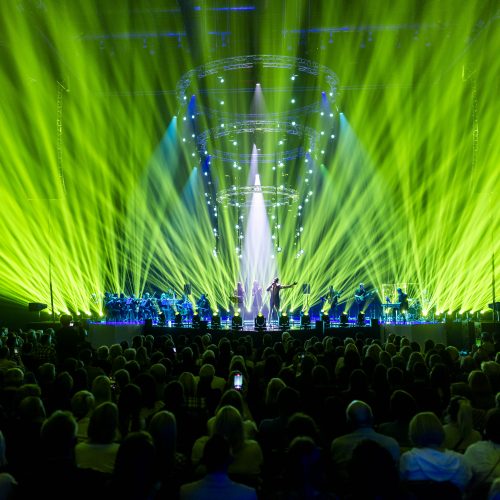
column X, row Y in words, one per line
column 426, row 431
column 228, row 423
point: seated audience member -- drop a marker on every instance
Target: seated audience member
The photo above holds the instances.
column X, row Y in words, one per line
column 57, row 475
column 247, row 453
column 481, row 395
column 171, row 466
column 44, row 351
column 82, row 405
column 302, row 425
column 458, row 432
column 7, row 482
column 373, row 474
column 359, row 416
column 216, row 484
column 428, row 460
column 403, row 409
column 134, row 476
column 129, row 410
column 273, row 388
column 272, row 431
column 303, row 472
column 234, row 398
column 494, row 493
column 99, row 451
column 483, row 457
column 101, row 389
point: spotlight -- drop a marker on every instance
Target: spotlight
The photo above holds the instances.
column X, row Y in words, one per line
column 237, row 322
column 284, row 321
column 344, row 319
column 215, row 320
column 260, row 322
column 361, row 319
column 196, row 320
column 305, row 321
column 178, row 319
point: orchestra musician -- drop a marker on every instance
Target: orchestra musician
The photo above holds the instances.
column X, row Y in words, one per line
column 332, row 298
column 403, row 304
column 145, row 307
column 203, row 306
column 360, row 296
column 131, row 308
column 239, row 298
column 274, row 302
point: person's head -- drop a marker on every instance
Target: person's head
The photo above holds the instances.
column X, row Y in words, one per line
column 31, row 409
column 359, row 414
column 188, row 383
column 426, row 431
column 403, row 406
column 58, row 435
column 288, row 401
column 229, row 423
column 232, row 398
column 217, row 454
column 122, row 378
column 134, row 470
column 14, row 377
column 101, row 389
column 274, row 386
column 163, row 430
column 373, row 472
column 479, row 382
column 300, row 424
column 82, row 404
column 103, row 424
column 302, row 464
column 66, row 320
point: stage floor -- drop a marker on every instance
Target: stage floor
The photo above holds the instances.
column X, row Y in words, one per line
column 113, row 333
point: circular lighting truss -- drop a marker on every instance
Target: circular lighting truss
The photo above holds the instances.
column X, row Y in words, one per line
column 295, row 65
column 243, row 196
column 231, row 130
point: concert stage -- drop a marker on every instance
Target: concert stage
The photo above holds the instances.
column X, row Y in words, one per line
column 457, row 334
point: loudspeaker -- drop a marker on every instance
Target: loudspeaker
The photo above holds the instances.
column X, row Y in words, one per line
column 36, row 306
column 374, row 323
column 148, row 323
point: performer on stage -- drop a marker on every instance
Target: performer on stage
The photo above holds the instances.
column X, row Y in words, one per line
column 403, row 304
column 360, row 297
column 239, row 299
column 256, row 298
column 203, row 306
column 274, row 289
column 131, row 308
column 332, row 298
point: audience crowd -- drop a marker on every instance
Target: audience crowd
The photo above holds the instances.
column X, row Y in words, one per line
column 249, row 416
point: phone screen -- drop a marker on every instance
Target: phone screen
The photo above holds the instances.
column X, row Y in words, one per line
column 478, row 342
column 238, row 381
